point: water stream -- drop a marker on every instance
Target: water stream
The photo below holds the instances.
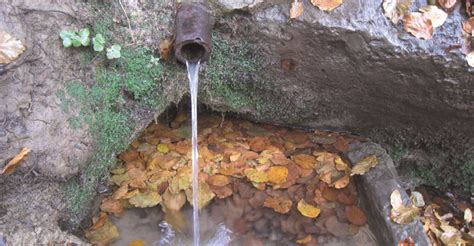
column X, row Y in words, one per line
column 193, row 76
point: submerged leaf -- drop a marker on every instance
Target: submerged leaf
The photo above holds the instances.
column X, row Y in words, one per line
column 277, row 174
column 307, row 209
column 419, row 25
column 103, row 235
column 205, row 195
column 364, row 165
column 326, row 5
column 10, row 48
column 255, row 175
column 279, row 204
column 181, row 181
column 13, row 163
column 305, row 161
column 173, row 202
column 218, row 180
column 111, row 205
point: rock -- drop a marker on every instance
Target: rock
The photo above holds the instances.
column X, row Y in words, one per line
column 337, row 228
column 356, row 216
column 239, row 4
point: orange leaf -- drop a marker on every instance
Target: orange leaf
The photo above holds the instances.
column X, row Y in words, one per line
column 279, row 204
column 308, row 210
column 305, row 240
column 258, row 144
column 110, row 205
column 418, row 25
column 326, row 5
column 296, row 9
column 468, row 25
column 356, row 216
column 277, row 174
column 342, row 182
column 121, row 191
column 99, row 222
column 13, row 163
column 304, row 161
column 165, row 49
column 222, row 192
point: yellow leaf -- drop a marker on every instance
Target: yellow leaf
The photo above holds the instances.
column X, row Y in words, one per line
column 13, row 163
column 419, row 25
column 204, row 197
column 400, row 213
column 165, row 49
column 296, row 9
column 137, row 243
column 119, row 178
column 277, row 174
column 279, row 204
column 396, row 9
column 146, row 200
column 172, row 201
column 10, row 48
column 104, row 235
column 305, row 240
column 181, row 181
column 340, row 164
column 307, row 209
column 326, row 5
column 342, row 182
column 163, row 148
column 364, row 165
column 255, row 175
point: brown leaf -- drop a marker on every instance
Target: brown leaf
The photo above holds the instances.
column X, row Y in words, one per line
column 364, row 165
column 277, row 174
column 305, row 240
column 99, row 222
column 218, row 180
column 296, row 9
column 468, row 25
column 205, row 195
column 279, row 204
column 110, row 205
column 342, row 182
column 120, row 192
column 16, row 161
column 165, row 49
column 103, row 235
column 435, row 14
column 173, row 202
column 341, row 144
column 326, row 5
column 419, row 25
column 406, row 242
column 304, row 161
column 356, row 216
column 10, row 48
column 222, row 192
column 258, row 144
column 146, row 200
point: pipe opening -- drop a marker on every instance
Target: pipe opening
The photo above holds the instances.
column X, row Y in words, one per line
column 193, row 52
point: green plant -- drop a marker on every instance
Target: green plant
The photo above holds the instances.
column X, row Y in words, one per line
column 113, row 52
column 75, row 39
column 98, row 42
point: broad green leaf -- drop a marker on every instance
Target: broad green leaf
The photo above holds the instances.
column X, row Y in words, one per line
column 84, row 36
column 66, row 36
column 114, row 52
column 98, row 42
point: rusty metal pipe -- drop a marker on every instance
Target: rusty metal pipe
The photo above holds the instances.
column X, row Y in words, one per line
column 192, row 33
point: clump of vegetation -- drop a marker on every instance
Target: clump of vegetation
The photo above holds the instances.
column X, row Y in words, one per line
column 82, row 38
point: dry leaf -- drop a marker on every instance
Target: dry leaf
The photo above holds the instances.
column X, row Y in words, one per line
column 470, row 58
column 173, row 202
column 342, row 182
column 218, row 180
column 400, row 213
column 417, row 199
column 165, row 49
column 304, row 161
column 10, row 48
column 435, row 14
column 407, row 242
column 447, row 4
column 326, row 5
column 279, row 204
column 296, row 9
column 307, row 209
column 222, row 192
column 145, row 200
column 99, row 222
column 305, row 240
column 120, row 192
column 396, row 9
column 110, row 205
column 104, row 235
column 163, row 148
column 277, row 174
column 255, row 175
column 356, row 216
column 13, row 163
column 182, row 180
column 419, row 25
column 205, row 195
column 364, row 165
column 468, row 215
column 137, row 243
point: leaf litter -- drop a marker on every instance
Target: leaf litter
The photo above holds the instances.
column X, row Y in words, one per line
column 156, row 170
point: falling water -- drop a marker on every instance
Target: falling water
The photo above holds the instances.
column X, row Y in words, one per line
column 193, row 75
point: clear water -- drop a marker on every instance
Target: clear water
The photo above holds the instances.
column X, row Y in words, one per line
column 193, row 76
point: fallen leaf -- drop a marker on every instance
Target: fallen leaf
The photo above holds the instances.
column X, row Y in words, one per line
column 419, row 25
column 111, row 205
column 13, row 163
column 400, row 213
column 137, row 243
column 416, row 198
column 447, row 4
column 305, row 240
column 279, row 204
column 255, row 175
column 326, row 5
column 218, row 180
column 182, row 180
column 277, row 174
column 222, row 192
column 258, row 144
column 296, row 9
column 468, row 215
column 205, row 195
column 173, row 202
column 356, row 216
column 163, row 148
column 342, row 182
column 396, row 200
column 165, row 49
column 435, row 14
column 304, row 161
column 99, row 222
column 341, row 144
column 396, row 9
column 104, row 235
column 468, row 25
column 470, row 58
column 120, row 192
column 406, row 242
column 307, row 209
column 10, row 48
column 145, row 200
column 177, row 220
column 364, row 165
